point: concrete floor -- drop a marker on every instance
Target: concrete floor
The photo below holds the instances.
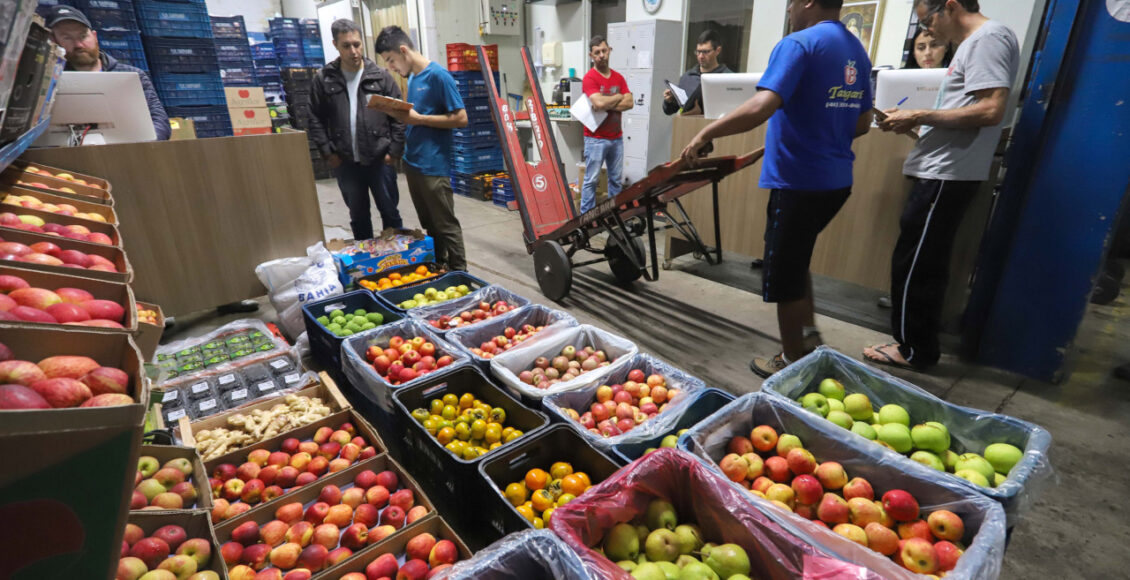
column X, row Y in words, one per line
column 1076, row 528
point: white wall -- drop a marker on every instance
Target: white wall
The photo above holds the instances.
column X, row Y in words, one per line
column 668, row 10
column 300, row 8
column 255, row 12
column 564, row 23
column 458, row 21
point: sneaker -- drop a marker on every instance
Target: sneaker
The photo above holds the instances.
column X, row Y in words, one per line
column 766, row 368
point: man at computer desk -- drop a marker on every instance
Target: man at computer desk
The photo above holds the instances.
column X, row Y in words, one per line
column 72, row 31
column 707, row 51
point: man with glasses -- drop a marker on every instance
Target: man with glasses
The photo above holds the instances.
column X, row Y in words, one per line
column 72, row 31
column 607, row 91
column 946, row 167
column 707, row 51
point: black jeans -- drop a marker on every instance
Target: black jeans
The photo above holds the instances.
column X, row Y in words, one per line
column 356, row 182
column 795, row 219
column 921, row 262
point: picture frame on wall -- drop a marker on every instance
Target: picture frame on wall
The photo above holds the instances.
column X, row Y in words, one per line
column 864, row 18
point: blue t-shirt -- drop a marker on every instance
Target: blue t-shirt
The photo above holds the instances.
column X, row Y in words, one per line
column 432, row 91
column 823, row 75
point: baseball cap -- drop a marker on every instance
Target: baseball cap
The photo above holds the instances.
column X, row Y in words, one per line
column 60, row 13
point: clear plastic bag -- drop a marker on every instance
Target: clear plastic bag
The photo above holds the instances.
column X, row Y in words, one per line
column 508, row 366
column 702, row 497
column 971, row 430
column 580, row 399
column 535, row 314
column 364, row 377
column 291, row 282
column 489, row 294
column 984, row 518
column 521, row 556
column 253, row 335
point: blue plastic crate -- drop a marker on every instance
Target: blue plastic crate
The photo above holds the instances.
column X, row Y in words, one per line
column 234, row 54
column 311, row 28
column 211, row 121
column 173, row 19
column 124, row 46
column 289, row 53
column 181, row 55
column 467, row 144
column 474, row 132
column 238, row 77
column 284, row 28
column 117, row 15
column 229, row 28
column 326, row 346
column 263, row 51
column 45, row 6
column 190, row 89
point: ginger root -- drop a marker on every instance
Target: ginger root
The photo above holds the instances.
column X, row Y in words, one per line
column 258, row 425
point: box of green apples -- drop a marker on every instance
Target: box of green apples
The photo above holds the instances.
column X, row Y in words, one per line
column 330, row 321
column 997, row 455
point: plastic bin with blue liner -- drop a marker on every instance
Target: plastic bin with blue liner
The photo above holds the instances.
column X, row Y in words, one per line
column 187, row 90
column 490, row 294
column 971, row 430
column 238, row 77
column 535, row 315
column 106, row 15
column 324, row 344
column 234, row 53
column 395, row 296
column 984, row 519
column 124, row 46
column 211, row 121
column 173, row 19
column 181, row 55
column 284, row 28
column 454, row 479
column 703, row 404
column 529, row 554
column 229, row 28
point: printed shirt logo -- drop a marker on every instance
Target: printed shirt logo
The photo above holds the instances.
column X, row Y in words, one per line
column 851, row 74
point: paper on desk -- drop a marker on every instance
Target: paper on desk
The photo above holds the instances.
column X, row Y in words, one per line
column 582, row 111
column 680, row 94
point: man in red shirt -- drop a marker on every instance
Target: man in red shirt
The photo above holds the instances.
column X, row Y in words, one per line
column 607, row 91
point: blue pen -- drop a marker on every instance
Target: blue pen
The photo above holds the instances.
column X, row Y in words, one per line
column 904, row 99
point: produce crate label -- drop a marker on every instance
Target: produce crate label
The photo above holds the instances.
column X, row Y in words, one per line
column 265, row 386
column 170, row 396
column 215, row 345
column 238, row 395
column 227, row 379
column 218, row 359
column 208, row 405
column 189, row 367
column 266, row 346
column 292, row 379
column 279, row 365
column 242, row 353
column 199, row 388
column 176, row 415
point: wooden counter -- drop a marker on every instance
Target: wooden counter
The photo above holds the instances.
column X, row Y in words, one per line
column 198, row 215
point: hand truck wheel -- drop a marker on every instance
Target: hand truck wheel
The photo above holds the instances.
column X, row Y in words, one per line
column 553, row 269
column 621, row 265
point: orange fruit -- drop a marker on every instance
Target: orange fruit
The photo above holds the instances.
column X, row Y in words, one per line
column 422, row 270
column 526, row 511
column 536, row 479
column 573, row 484
column 516, row 493
column 560, row 469
column 542, row 500
column 585, row 478
column 394, row 276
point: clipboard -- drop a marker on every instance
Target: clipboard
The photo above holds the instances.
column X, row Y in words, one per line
column 383, row 103
column 681, row 96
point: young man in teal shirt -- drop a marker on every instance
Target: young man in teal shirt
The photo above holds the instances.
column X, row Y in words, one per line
column 436, row 109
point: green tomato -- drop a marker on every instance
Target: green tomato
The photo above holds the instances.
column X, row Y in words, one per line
column 368, row 326
column 339, row 320
column 335, row 314
column 375, row 317
column 359, row 312
column 324, row 320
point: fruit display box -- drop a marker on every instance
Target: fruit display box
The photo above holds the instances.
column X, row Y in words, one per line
column 533, row 314
column 528, row 554
column 109, row 230
column 116, row 292
column 65, row 478
column 395, row 296
column 50, row 197
column 370, row 282
column 508, row 367
column 971, row 430
column 232, row 385
column 148, row 336
column 448, row 311
column 697, row 496
column 540, row 451
column 397, row 545
column 451, row 476
column 701, row 405
column 325, row 345
column 199, row 478
column 983, row 518
column 101, row 192
column 353, row 267
column 195, row 524
column 114, row 254
column 311, row 494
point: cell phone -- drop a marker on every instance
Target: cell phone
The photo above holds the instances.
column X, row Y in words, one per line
column 879, row 115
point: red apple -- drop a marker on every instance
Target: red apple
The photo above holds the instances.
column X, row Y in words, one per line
column 29, row 314
column 21, row 397
column 326, row 535
column 69, row 367
column 313, row 557
column 384, row 566
column 105, row 310
column 62, row 392
column 151, row 551
column 444, row 552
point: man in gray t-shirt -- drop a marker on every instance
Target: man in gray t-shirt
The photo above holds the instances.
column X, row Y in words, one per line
column 952, row 157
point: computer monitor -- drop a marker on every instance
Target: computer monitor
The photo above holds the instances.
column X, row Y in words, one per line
column 112, row 103
column 724, row 92
column 908, row 89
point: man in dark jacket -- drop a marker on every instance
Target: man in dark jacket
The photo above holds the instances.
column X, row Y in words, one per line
column 72, row 31
column 707, row 51
column 360, row 143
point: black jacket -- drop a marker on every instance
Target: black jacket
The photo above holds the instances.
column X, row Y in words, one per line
column 156, row 109
column 329, row 117
column 691, row 82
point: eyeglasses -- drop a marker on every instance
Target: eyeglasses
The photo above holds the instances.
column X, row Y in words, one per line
column 928, row 21
column 704, row 52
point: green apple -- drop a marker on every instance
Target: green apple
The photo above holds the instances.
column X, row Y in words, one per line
column 642, row 532
column 949, row 460
column 627, row 565
column 928, row 437
column 858, row 406
column 622, row 543
column 684, row 560
column 835, row 405
column 669, row 442
column 875, row 419
column 738, row 577
column 976, row 463
column 816, row 403
column 727, row 560
column 1003, row 457
column 893, row 414
column 998, row 479
column 662, row 546
column 697, row 571
column 832, row 389
column 928, row 459
column 660, row 514
column 861, row 428
column 840, row 418
column 681, row 431
column 972, row 476
column 897, row 436
column 671, row 570
column 690, row 538
column 649, row 571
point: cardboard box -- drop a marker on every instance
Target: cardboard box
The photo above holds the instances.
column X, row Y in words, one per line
column 109, row 229
column 50, row 197
column 250, row 121
column 101, row 289
column 68, row 473
column 19, row 115
column 96, row 190
column 165, row 453
column 195, row 524
column 601, row 185
column 112, row 253
column 245, row 97
column 353, row 267
column 148, row 336
column 182, row 129
column 396, row 543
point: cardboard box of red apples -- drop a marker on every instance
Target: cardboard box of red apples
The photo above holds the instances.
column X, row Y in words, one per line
column 23, row 249
column 45, row 222
column 191, row 487
column 66, row 478
column 326, row 522
column 37, row 198
column 32, row 298
column 430, row 542
column 84, row 186
column 180, row 543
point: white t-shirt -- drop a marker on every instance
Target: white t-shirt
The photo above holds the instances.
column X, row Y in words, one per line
column 988, row 59
column 353, row 85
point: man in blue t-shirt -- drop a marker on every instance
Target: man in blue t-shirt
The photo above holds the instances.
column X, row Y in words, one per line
column 436, row 109
column 816, row 96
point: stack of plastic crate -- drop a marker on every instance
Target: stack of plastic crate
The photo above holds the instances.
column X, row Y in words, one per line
column 312, row 52
column 476, row 149
column 229, row 35
column 502, row 192
column 118, row 33
column 286, row 35
column 267, row 73
column 182, row 60
column 43, row 7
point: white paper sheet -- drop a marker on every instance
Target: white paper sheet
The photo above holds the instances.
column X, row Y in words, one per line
column 680, row 94
column 582, row 111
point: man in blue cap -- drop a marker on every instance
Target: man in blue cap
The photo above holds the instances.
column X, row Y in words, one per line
column 73, row 32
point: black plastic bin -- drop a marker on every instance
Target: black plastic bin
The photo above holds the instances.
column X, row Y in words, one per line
column 325, row 345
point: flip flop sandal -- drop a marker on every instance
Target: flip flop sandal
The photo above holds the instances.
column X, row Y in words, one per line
column 887, row 360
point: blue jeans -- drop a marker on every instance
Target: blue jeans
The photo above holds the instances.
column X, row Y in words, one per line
column 599, row 152
column 357, row 182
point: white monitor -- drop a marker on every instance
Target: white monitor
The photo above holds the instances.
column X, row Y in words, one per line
column 724, row 92
column 908, row 89
column 113, row 103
